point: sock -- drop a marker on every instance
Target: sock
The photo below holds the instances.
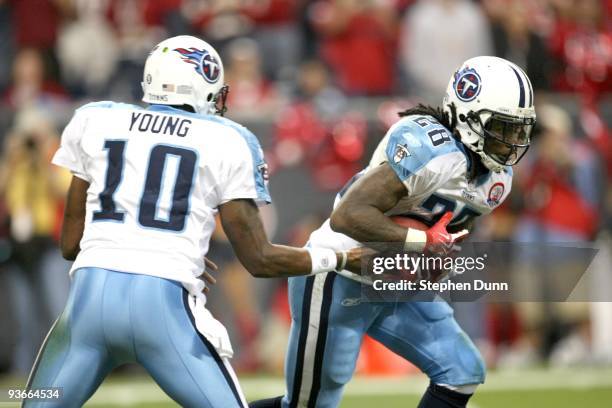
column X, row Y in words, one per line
column 267, row 403
column 437, row 396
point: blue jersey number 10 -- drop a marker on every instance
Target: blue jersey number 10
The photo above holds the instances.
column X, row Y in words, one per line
column 153, row 186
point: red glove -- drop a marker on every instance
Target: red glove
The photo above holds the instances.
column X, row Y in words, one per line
column 436, row 240
column 439, row 240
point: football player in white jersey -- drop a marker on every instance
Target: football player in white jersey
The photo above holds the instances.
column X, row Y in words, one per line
column 444, row 166
column 141, row 208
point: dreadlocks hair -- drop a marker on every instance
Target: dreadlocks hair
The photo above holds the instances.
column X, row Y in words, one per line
column 443, row 117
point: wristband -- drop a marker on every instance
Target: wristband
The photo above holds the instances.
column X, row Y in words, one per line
column 415, row 240
column 343, row 262
column 323, row 260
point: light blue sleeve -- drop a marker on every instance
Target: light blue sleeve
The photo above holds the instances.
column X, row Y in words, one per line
column 258, row 173
column 108, row 105
column 408, row 150
column 423, row 154
column 260, row 167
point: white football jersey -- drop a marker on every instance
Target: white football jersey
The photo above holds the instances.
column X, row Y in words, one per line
column 157, row 176
column 434, row 167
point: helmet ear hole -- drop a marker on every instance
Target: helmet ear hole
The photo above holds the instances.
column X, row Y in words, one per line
column 209, row 97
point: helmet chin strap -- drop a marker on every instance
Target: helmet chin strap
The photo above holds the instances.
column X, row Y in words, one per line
column 478, row 147
column 205, row 108
column 486, row 160
column 210, row 107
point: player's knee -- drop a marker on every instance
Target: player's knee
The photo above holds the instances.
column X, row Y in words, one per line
column 338, row 374
column 463, row 365
column 338, row 378
column 340, row 366
column 472, row 365
column 480, row 371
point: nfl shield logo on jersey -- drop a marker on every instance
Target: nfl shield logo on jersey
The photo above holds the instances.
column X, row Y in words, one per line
column 495, row 194
column 467, row 84
column 401, row 151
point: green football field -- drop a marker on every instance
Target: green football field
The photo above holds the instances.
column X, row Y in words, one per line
column 589, row 388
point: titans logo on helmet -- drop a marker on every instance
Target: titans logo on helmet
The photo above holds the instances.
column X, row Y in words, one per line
column 205, row 64
column 467, row 84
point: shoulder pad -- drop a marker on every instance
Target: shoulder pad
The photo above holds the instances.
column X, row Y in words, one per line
column 416, row 140
column 108, row 105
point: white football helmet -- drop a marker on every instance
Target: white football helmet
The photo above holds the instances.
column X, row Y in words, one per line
column 185, row 70
column 490, row 100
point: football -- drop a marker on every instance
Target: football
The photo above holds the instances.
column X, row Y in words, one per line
column 436, row 271
column 408, row 222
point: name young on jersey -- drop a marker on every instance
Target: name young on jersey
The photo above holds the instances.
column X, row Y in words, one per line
column 164, row 124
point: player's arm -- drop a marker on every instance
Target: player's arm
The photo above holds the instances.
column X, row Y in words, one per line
column 74, row 218
column 361, row 214
column 409, row 168
column 243, row 226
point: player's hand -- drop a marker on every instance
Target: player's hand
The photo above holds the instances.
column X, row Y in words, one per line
column 210, row 265
column 440, row 241
column 206, row 276
column 354, row 257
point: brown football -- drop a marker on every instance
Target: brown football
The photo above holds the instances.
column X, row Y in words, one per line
column 407, row 222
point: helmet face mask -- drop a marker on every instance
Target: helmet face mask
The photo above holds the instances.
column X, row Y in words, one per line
column 185, row 70
column 506, row 138
column 220, row 99
column 490, row 101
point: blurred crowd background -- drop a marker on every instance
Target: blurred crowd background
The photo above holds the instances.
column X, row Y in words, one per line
column 319, row 82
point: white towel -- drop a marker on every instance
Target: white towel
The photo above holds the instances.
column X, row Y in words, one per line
column 209, row 327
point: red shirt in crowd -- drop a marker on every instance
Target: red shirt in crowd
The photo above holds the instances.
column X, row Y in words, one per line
column 35, row 23
column 587, row 58
column 361, row 54
column 550, row 194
